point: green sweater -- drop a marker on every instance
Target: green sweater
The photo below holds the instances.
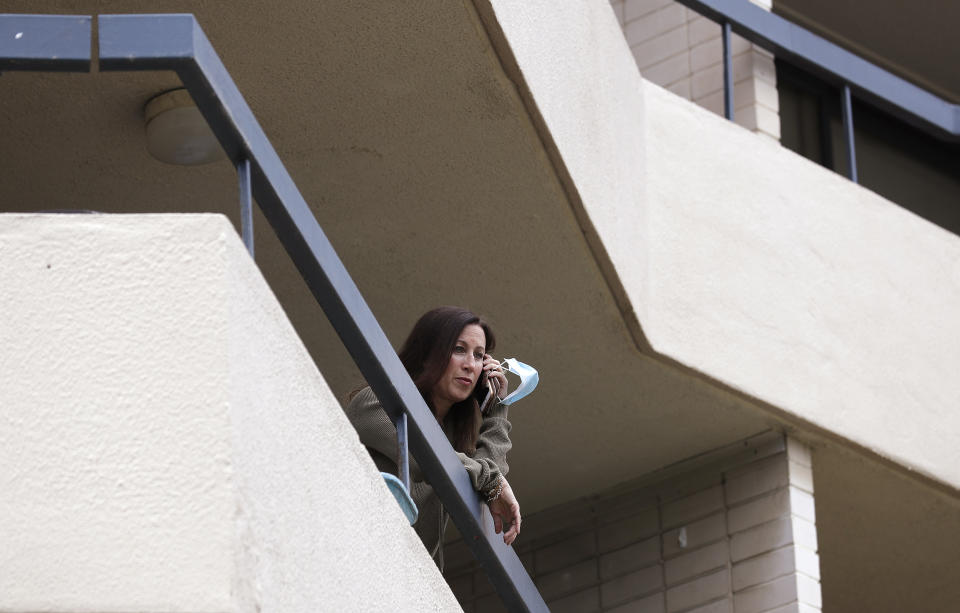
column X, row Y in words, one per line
column 485, row 467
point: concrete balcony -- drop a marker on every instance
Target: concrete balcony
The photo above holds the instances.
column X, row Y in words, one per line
column 167, row 442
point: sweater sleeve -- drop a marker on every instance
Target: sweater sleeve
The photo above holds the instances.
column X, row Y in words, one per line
column 487, row 465
column 379, row 435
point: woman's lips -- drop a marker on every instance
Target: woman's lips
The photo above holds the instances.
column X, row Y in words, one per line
column 465, row 380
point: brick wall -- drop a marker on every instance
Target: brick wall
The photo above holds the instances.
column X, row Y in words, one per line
column 682, row 51
column 736, row 535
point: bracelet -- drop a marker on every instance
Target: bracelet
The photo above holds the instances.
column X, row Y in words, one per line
column 492, row 497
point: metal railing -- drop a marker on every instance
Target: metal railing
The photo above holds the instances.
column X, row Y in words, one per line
column 177, row 43
column 855, row 76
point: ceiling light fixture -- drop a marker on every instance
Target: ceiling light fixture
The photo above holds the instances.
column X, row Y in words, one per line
column 176, row 131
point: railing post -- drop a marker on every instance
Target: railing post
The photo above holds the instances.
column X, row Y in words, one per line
column 403, row 453
column 246, row 205
column 727, row 72
column 848, row 133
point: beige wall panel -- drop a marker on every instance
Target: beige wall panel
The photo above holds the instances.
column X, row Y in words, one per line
column 800, row 288
column 166, row 443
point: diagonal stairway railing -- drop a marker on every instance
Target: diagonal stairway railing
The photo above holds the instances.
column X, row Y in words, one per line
column 177, row 43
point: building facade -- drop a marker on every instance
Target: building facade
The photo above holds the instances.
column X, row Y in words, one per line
column 747, row 360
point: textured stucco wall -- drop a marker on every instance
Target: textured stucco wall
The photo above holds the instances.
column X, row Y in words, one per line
column 742, row 260
column 166, row 443
column 789, row 282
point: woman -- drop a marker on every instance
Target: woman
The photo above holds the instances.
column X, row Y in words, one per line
column 447, row 357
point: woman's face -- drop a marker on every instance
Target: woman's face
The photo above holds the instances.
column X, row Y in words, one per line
column 463, row 369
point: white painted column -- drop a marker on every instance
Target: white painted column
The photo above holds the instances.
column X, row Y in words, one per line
column 773, row 537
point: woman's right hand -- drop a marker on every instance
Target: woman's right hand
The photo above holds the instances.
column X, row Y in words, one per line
column 493, row 370
column 506, row 512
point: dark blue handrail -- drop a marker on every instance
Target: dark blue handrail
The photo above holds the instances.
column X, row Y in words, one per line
column 45, row 42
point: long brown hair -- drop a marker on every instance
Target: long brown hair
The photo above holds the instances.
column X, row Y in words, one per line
column 426, row 353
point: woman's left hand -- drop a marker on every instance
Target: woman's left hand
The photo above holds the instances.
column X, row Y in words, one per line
column 494, row 371
column 506, row 512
